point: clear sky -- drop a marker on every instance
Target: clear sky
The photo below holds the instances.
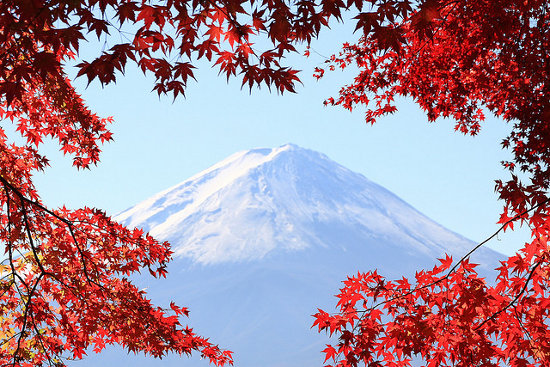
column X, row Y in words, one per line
column 159, row 143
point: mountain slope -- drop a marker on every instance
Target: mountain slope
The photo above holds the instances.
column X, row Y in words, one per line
column 264, row 237
column 262, row 201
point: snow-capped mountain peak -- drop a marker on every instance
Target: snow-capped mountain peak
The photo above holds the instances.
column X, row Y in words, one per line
column 262, row 201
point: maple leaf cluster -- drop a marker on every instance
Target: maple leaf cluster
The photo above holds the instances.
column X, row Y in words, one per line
column 164, row 38
column 456, row 59
column 445, row 316
column 63, row 285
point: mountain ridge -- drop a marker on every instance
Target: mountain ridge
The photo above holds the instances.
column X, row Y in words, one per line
column 263, row 200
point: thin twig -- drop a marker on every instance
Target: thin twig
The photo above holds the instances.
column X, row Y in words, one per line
column 67, row 222
column 493, row 316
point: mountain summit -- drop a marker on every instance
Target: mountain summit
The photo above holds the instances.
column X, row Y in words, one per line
column 261, row 202
column 264, row 237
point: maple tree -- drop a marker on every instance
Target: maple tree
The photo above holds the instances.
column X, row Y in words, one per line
column 456, row 59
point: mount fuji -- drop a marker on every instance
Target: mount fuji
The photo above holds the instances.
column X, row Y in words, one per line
column 264, row 237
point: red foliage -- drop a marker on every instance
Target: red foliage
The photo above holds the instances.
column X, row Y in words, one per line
column 62, row 285
column 455, row 58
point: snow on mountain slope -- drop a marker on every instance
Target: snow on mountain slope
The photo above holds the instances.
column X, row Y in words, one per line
column 261, row 201
column 264, row 238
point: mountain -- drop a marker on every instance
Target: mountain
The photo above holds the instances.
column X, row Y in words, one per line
column 264, row 237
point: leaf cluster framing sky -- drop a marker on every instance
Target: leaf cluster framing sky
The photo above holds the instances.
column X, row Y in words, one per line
column 159, row 143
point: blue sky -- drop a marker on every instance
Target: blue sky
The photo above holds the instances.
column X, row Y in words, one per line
column 158, row 143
